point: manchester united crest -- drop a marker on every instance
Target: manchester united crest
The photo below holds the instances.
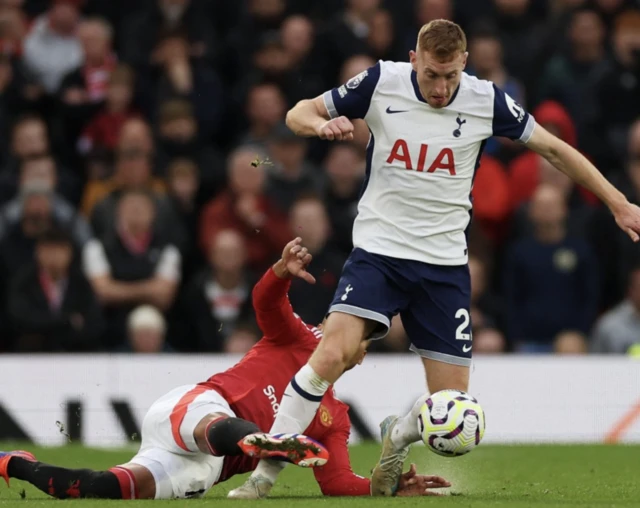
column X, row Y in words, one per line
column 325, row 416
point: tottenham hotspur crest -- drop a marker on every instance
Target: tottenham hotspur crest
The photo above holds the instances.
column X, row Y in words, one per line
column 347, row 290
column 457, row 133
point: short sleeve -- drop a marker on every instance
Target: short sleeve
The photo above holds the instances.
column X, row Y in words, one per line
column 510, row 120
column 94, row 260
column 354, row 97
column 168, row 266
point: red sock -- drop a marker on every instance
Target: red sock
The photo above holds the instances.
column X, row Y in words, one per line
column 127, row 482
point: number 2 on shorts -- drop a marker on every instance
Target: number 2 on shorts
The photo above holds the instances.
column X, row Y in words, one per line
column 460, row 331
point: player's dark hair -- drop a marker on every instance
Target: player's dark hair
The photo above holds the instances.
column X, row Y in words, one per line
column 442, row 38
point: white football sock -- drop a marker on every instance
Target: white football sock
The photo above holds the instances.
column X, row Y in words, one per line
column 297, row 410
column 407, row 430
column 300, row 402
column 269, row 469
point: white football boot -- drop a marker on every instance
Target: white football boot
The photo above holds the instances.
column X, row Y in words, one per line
column 386, row 475
column 254, row 488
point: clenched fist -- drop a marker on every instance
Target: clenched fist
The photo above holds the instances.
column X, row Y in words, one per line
column 337, row 129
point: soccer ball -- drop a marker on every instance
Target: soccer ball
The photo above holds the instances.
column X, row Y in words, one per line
column 451, row 423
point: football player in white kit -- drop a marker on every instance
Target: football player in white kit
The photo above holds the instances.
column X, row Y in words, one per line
column 428, row 123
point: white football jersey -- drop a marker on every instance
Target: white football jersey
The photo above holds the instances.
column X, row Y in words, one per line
column 421, row 161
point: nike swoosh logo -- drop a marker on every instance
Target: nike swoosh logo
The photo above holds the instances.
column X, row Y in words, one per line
column 466, row 349
column 393, row 111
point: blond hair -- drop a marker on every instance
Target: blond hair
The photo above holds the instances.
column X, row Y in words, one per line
column 442, row 38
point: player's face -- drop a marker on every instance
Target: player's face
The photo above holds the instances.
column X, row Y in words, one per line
column 437, row 80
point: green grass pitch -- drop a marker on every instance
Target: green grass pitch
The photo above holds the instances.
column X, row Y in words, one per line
column 503, row 476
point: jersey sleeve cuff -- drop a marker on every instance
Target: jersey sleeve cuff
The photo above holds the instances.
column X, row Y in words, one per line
column 528, row 130
column 327, row 97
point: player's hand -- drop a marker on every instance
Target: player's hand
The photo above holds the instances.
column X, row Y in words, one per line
column 337, row 129
column 294, row 262
column 628, row 218
column 413, row 484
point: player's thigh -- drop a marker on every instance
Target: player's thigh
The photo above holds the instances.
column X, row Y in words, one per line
column 179, row 476
column 438, row 324
column 171, row 421
column 371, row 289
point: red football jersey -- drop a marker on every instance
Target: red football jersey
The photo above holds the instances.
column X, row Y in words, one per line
column 254, row 386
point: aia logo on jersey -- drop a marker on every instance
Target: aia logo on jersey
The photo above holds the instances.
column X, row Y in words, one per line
column 443, row 161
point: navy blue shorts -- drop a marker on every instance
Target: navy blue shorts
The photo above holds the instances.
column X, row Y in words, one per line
column 433, row 302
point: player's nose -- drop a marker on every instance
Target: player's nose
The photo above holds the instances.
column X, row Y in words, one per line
column 440, row 90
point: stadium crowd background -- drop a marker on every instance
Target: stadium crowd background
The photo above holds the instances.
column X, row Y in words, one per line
column 147, row 177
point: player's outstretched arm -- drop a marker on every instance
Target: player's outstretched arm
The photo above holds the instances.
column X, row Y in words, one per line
column 310, row 118
column 294, row 261
column 274, row 313
column 413, row 484
column 576, row 166
column 337, row 478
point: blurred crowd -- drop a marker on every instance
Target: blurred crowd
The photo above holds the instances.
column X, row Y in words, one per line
column 147, row 178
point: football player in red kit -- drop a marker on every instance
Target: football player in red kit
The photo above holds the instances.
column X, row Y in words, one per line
column 199, row 435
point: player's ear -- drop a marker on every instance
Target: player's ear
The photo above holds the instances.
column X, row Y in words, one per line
column 413, row 59
column 464, row 59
